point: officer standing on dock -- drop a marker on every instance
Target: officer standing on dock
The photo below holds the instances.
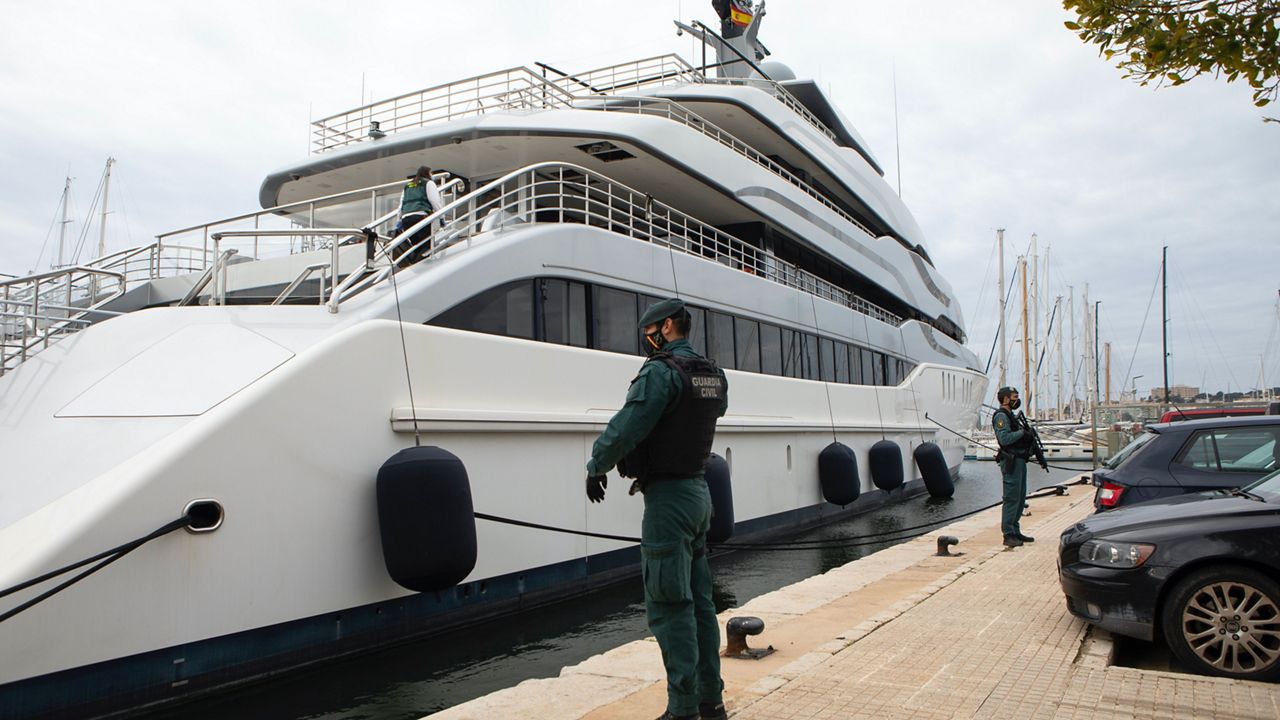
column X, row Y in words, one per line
column 1016, row 446
column 662, row 437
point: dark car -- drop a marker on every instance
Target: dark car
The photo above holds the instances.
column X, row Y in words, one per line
column 1201, row 570
column 1184, row 457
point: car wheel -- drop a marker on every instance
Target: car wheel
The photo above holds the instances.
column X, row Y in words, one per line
column 1225, row 621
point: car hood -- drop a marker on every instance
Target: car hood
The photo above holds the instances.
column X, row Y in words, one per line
column 1193, row 506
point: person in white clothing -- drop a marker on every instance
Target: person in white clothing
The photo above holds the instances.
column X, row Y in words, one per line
column 498, row 217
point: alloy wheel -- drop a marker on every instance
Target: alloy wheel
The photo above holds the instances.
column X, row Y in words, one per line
column 1233, row 627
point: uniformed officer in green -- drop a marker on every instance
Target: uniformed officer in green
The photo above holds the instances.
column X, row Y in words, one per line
column 1015, row 449
column 662, row 437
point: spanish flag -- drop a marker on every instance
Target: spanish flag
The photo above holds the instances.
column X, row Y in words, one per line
column 740, row 13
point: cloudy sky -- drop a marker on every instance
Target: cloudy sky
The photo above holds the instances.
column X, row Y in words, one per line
column 1005, row 120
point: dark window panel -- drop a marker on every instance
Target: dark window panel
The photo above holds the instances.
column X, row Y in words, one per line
column 791, row 353
column 809, row 356
column 770, row 349
column 615, row 318
column 827, row 359
column 564, row 312
column 867, row 377
column 877, row 369
column 842, row 363
column 720, row 339
column 698, row 330
column 504, row 310
column 747, row 340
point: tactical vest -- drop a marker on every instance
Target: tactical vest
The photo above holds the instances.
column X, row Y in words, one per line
column 679, row 445
column 415, row 201
column 1021, row 448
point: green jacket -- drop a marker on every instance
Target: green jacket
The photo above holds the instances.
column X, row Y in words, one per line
column 415, row 199
column 654, row 391
column 1003, row 423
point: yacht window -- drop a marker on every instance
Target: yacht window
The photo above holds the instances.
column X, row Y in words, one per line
column 827, row 359
column 877, row 368
column 790, row 353
column 747, row 335
column 842, row 363
column 770, row 349
column 564, row 312
column 720, row 339
column 615, row 318
column 698, row 329
column 865, row 375
column 503, row 310
column 809, row 356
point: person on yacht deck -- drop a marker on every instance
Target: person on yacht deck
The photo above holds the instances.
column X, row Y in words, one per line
column 498, row 216
column 421, row 197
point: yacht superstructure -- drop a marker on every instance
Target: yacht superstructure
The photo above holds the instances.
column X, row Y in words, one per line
column 258, row 368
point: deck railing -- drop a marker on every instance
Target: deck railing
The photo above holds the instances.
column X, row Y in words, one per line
column 517, row 88
column 567, row 193
column 38, row 310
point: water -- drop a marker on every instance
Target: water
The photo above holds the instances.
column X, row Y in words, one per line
column 411, row 681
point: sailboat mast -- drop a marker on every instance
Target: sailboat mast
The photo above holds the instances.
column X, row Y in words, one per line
column 1034, row 396
column 1026, row 338
column 62, row 229
column 1057, row 351
column 1164, row 318
column 1004, row 355
column 102, row 226
column 1071, row 312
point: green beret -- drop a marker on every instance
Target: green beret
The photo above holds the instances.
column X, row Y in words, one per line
column 661, row 310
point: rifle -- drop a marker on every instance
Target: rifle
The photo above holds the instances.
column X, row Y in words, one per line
column 1037, row 447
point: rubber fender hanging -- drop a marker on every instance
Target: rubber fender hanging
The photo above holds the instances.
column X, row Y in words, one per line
column 426, row 519
column 838, row 474
column 885, row 459
column 721, row 489
column 933, row 468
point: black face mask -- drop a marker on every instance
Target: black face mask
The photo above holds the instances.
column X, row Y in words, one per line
column 653, row 342
column 1015, row 404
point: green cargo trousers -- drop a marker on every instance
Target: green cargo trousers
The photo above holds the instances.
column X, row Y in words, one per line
column 677, row 591
column 1015, row 496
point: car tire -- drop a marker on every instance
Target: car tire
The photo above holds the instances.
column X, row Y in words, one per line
column 1225, row 621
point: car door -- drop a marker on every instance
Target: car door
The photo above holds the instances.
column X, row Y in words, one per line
column 1226, row 457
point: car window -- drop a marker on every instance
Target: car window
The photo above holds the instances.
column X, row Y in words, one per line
column 1130, row 450
column 1236, row 449
column 1267, row 486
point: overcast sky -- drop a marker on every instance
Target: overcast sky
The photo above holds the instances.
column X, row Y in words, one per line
column 1005, row 120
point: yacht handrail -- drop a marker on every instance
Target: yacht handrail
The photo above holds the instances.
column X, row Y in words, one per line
column 679, row 113
column 638, row 215
column 63, row 271
column 301, row 278
column 656, row 70
column 25, row 330
column 513, row 88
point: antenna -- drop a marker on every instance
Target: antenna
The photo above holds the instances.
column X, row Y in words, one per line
column 897, row 140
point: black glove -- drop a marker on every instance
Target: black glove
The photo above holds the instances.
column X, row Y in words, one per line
column 595, row 487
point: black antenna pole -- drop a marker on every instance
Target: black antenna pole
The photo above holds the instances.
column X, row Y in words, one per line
column 1164, row 318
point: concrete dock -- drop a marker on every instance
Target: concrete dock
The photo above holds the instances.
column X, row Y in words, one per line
column 905, row 634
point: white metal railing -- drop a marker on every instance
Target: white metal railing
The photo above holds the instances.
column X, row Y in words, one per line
column 39, row 309
column 566, row 193
column 517, row 88
column 661, row 70
column 669, row 109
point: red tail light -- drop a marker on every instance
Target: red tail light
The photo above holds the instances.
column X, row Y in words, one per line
column 1109, row 494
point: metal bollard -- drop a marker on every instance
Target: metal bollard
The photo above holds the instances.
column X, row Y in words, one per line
column 944, row 544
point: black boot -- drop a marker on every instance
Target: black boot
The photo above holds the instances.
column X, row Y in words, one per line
column 1012, row 541
column 668, row 716
column 1026, row 538
column 707, row 711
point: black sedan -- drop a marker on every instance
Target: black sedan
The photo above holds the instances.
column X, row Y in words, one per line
column 1201, row 570
column 1184, row 457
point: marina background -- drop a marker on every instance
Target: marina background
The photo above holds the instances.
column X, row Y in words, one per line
column 1005, row 119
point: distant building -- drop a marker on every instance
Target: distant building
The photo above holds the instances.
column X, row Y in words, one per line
column 1186, row 392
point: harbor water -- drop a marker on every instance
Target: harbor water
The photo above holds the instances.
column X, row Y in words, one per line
column 416, row 679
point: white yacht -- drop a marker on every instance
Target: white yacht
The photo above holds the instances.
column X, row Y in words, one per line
column 248, row 377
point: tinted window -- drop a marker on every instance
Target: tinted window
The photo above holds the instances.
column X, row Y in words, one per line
column 564, row 312
column 842, row 363
column 791, row 353
column 827, row 359
column 698, row 329
column 868, row 360
column 1246, row 449
column 747, row 340
column 770, row 349
column 809, row 356
column 877, row 368
column 504, row 310
column 720, row 338
column 615, row 318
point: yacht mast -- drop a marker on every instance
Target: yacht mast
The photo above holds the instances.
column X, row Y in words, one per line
column 1107, row 348
column 1057, row 351
column 1033, row 399
column 62, row 229
column 102, row 225
column 1071, row 312
column 1164, row 319
column 1004, row 355
column 1026, row 339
